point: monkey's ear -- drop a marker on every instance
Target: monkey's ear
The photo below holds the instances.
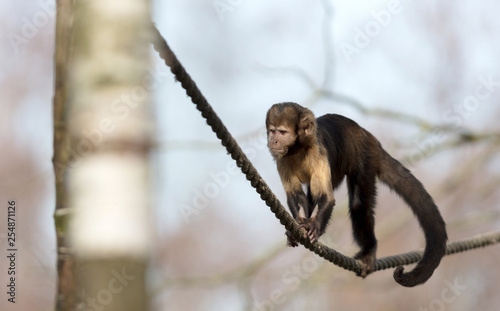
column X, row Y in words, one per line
column 307, row 124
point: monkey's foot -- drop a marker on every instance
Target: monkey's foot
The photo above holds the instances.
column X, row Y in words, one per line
column 367, row 263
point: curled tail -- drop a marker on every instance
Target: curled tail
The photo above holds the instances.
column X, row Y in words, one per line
column 399, row 179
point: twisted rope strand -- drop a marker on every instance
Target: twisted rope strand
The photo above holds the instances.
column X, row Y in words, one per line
column 232, row 147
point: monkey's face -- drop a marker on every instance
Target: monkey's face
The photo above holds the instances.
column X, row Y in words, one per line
column 289, row 124
column 280, row 139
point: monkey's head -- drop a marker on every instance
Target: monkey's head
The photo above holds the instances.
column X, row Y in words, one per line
column 290, row 127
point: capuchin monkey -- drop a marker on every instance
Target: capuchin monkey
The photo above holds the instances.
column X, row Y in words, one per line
column 313, row 156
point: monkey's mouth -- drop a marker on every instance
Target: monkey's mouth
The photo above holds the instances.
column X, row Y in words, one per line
column 277, row 151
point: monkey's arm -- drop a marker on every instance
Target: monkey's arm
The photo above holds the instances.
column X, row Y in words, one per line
column 316, row 224
column 295, row 196
column 299, row 207
column 298, row 204
column 322, row 203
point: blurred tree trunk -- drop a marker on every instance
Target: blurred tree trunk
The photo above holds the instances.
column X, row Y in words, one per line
column 109, row 130
column 66, row 296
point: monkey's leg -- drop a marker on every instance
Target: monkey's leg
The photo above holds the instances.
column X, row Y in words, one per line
column 362, row 192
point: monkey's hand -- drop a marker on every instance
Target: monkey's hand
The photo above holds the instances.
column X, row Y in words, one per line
column 367, row 263
column 290, row 240
column 311, row 228
column 311, row 231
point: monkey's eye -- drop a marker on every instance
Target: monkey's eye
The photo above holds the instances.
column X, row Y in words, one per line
column 283, row 132
column 272, row 131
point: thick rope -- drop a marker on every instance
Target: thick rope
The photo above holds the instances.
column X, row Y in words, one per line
column 268, row 196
